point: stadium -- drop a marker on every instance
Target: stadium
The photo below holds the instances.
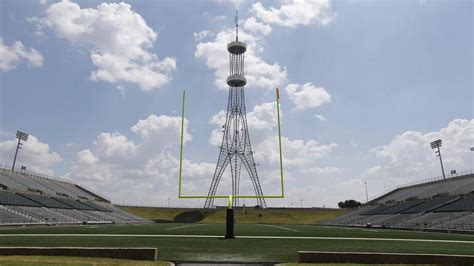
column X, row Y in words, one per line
column 422, row 219
column 114, row 163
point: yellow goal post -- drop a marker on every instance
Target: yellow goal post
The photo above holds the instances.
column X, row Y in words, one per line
column 181, row 196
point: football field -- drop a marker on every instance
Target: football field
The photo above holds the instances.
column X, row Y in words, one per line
column 254, row 242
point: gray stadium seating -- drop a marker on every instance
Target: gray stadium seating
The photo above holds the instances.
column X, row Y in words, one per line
column 9, row 217
column 465, row 203
column 446, row 204
column 74, row 204
column 43, row 215
column 46, row 201
column 10, row 198
column 26, row 198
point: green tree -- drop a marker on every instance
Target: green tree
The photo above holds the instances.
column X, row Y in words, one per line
column 349, row 204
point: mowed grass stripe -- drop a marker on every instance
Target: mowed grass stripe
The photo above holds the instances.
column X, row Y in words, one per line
column 241, row 249
column 279, row 227
column 73, row 261
column 183, row 226
column 240, row 229
column 244, row 237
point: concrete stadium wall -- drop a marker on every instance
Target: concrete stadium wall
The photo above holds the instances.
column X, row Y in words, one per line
column 96, row 252
column 391, row 258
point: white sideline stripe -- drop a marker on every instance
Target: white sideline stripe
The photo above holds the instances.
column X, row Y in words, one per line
column 247, row 237
column 184, row 226
column 279, row 227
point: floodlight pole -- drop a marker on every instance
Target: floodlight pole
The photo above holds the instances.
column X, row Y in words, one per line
column 366, row 193
column 441, row 162
column 16, row 153
column 21, row 136
column 437, row 144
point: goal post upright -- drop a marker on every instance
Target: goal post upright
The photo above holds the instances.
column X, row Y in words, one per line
column 180, row 194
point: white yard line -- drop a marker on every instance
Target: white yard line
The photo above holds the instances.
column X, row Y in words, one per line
column 243, row 237
column 183, row 226
column 279, row 227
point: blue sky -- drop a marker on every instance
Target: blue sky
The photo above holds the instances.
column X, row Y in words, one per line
column 397, row 73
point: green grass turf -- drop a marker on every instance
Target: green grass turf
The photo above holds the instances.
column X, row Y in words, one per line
column 258, row 250
column 72, row 261
column 244, row 216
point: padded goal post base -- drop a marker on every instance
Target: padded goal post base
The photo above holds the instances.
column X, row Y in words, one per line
column 229, row 227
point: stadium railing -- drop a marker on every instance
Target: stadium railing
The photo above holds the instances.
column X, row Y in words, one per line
column 422, row 181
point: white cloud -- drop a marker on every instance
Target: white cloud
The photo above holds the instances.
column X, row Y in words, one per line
column 144, row 171
column 297, row 153
column 301, row 158
column 110, row 146
column 263, row 116
column 307, row 95
column 260, row 121
column 258, row 72
column 34, row 154
column 252, row 25
column 294, row 13
column 320, row 117
column 199, row 36
column 118, row 39
column 15, row 54
column 409, row 157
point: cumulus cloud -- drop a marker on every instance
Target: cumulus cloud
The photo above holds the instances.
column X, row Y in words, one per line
column 144, row 171
column 259, row 73
column 11, row 56
column 298, row 153
column 199, row 36
column 34, row 154
column 119, row 41
column 409, row 157
column 254, row 29
column 294, row 13
column 307, row 95
column 254, row 26
column 260, row 120
column 302, row 158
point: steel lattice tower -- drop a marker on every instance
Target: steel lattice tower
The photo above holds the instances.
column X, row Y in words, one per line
column 236, row 149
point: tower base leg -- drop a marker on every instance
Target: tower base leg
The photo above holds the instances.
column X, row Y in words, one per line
column 229, row 228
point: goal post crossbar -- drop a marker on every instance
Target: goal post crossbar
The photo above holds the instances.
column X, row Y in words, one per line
column 181, row 196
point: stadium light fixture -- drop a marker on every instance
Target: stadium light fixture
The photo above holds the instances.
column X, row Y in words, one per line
column 20, row 136
column 435, row 145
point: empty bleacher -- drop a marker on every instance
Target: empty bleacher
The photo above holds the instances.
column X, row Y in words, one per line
column 10, row 198
column 34, row 199
column 446, row 204
column 465, row 203
column 46, row 201
column 452, row 186
column 10, row 217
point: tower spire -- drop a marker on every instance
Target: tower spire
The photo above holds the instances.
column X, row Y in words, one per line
column 235, row 149
column 237, row 25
